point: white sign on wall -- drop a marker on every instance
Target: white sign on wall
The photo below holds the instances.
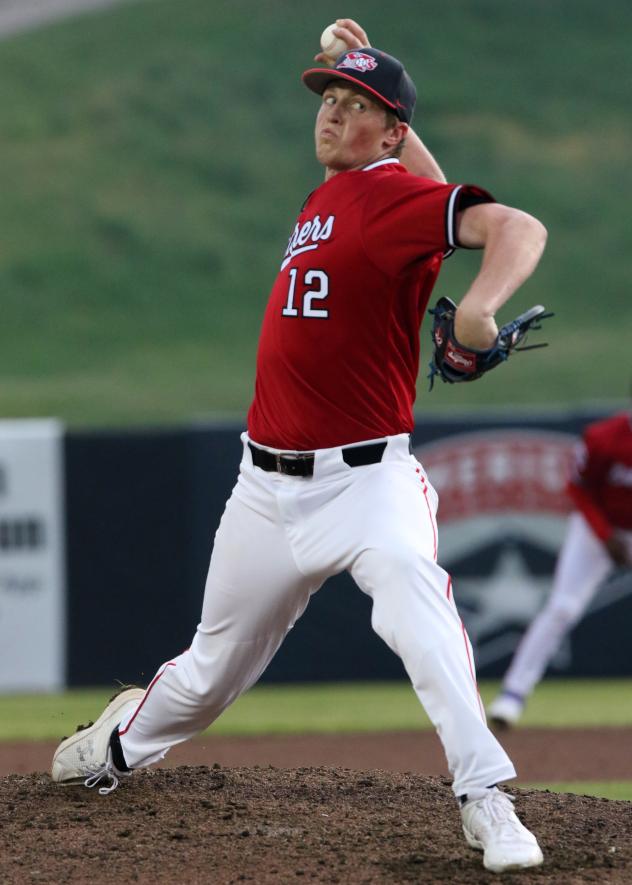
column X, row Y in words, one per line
column 32, row 544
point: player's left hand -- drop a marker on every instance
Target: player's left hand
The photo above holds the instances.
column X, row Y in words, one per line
column 352, row 33
column 455, row 362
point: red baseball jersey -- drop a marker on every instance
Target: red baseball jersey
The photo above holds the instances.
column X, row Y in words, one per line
column 601, row 486
column 339, row 349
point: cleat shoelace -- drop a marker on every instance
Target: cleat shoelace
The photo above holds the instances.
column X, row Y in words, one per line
column 103, row 771
column 97, row 773
column 499, row 807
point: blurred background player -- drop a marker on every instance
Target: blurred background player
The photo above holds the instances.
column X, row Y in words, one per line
column 598, row 539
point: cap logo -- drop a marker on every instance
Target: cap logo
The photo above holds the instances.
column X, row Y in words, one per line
column 358, row 61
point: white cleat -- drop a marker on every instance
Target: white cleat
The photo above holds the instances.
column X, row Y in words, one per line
column 85, row 757
column 491, row 825
column 505, row 710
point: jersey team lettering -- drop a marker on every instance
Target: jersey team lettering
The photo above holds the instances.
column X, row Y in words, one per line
column 307, row 237
column 620, row 475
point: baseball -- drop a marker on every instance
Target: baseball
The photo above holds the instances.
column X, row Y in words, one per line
column 331, row 45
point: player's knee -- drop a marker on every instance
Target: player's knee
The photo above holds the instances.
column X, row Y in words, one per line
column 406, row 591
column 393, row 629
column 564, row 613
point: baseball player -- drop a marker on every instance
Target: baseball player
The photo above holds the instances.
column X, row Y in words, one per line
column 598, row 539
column 327, row 482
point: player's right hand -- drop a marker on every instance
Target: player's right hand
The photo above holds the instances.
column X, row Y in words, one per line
column 351, row 32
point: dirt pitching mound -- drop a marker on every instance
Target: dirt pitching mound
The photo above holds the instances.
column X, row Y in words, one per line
column 196, row 824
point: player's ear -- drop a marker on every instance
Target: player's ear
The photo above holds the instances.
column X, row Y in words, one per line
column 395, row 134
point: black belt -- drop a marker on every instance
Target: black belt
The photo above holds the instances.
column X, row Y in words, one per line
column 302, row 463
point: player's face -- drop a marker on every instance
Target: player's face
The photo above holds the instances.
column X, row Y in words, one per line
column 351, row 130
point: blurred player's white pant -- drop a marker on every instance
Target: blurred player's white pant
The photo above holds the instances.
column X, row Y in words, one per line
column 582, row 565
column 279, row 539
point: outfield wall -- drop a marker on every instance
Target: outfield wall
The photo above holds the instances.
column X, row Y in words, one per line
column 138, row 510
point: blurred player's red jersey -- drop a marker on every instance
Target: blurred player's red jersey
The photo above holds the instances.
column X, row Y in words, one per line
column 339, row 351
column 602, row 484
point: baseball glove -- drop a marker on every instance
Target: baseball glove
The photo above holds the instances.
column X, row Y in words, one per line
column 454, row 362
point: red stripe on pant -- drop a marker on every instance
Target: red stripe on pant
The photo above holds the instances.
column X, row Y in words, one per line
column 466, row 642
column 149, row 688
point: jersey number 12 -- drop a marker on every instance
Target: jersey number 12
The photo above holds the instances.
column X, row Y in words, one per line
column 312, row 277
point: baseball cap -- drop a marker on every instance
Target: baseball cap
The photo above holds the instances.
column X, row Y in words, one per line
column 375, row 71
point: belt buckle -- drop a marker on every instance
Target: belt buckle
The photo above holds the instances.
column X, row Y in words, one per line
column 289, row 463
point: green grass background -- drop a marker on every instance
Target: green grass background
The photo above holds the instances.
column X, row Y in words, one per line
column 154, row 157
column 343, row 708
column 330, row 708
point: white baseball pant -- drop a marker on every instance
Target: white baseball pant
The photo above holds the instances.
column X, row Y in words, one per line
column 582, row 565
column 280, row 537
